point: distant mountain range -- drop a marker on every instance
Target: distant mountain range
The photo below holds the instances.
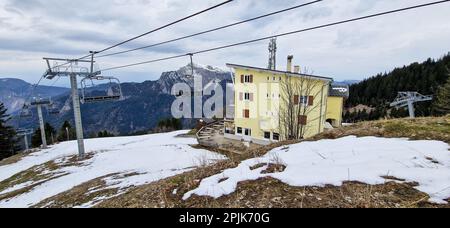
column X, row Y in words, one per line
column 14, row 92
column 145, row 104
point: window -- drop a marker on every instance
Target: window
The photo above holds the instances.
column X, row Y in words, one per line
column 247, row 78
column 274, row 78
column 248, row 96
column 239, row 130
column 246, row 113
column 248, row 132
column 304, row 100
column 267, row 135
column 276, row 137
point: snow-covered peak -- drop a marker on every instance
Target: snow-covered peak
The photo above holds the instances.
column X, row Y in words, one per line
column 198, row 67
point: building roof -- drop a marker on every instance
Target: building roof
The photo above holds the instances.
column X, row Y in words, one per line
column 279, row 72
column 339, row 90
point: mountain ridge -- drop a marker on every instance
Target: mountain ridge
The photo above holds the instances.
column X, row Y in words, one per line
column 145, row 103
column 14, row 92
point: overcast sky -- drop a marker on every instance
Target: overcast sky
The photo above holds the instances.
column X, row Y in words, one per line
column 32, row 29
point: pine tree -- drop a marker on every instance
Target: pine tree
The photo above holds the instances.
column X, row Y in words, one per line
column 442, row 102
column 50, row 132
column 62, row 134
column 8, row 139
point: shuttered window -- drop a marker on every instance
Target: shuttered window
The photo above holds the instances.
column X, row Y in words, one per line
column 304, row 100
column 247, row 78
column 302, row 120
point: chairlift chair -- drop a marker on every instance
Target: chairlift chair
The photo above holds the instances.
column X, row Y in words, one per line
column 89, row 94
column 24, row 131
column 52, row 109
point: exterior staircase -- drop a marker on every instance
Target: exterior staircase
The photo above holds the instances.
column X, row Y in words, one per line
column 207, row 135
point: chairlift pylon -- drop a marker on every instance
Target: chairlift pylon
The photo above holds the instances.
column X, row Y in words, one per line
column 112, row 92
column 26, row 111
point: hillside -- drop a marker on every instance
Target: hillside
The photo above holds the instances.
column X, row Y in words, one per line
column 334, row 169
column 145, row 104
column 378, row 91
column 118, row 163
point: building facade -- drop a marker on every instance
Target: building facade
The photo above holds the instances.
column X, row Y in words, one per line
column 335, row 104
column 273, row 105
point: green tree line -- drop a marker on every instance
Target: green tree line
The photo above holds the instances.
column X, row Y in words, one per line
column 428, row 78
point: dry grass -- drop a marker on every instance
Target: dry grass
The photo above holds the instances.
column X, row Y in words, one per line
column 35, row 176
column 271, row 193
column 80, row 195
column 430, row 128
column 268, row 192
column 12, row 159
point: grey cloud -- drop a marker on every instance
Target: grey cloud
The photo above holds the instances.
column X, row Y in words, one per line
column 37, row 45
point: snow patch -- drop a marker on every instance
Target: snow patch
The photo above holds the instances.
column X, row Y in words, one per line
column 333, row 162
column 138, row 160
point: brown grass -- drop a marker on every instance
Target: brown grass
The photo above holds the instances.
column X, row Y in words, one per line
column 35, row 175
column 80, row 195
column 269, row 192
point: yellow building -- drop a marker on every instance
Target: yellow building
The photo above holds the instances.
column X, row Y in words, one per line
column 273, row 105
column 335, row 104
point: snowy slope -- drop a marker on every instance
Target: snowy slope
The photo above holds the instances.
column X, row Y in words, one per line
column 333, row 162
column 153, row 157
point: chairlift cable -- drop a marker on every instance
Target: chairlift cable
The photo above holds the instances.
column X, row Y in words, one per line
column 281, row 34
column 212, row 30
column 147, row 33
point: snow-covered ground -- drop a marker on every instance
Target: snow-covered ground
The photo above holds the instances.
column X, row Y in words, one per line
column 333, row 162
column 152, row 157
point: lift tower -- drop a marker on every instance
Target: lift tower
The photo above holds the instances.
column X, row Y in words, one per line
column 407, row 99
column 72, row 70
column 25, row 133
column 38, row 103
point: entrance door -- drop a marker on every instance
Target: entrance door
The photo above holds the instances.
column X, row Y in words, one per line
column 247, row 134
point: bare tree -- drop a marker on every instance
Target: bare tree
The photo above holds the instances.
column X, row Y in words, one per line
column 298, row 100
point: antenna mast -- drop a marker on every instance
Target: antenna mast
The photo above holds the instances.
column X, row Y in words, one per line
column 273, row 54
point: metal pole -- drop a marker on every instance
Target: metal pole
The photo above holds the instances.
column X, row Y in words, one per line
column 412, row 113
column 77, row 115
column 25, row 138
column 41, row 124
column 198, row 91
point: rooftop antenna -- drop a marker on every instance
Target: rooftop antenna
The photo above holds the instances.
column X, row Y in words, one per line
column 407, row 99
column 272, row 54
